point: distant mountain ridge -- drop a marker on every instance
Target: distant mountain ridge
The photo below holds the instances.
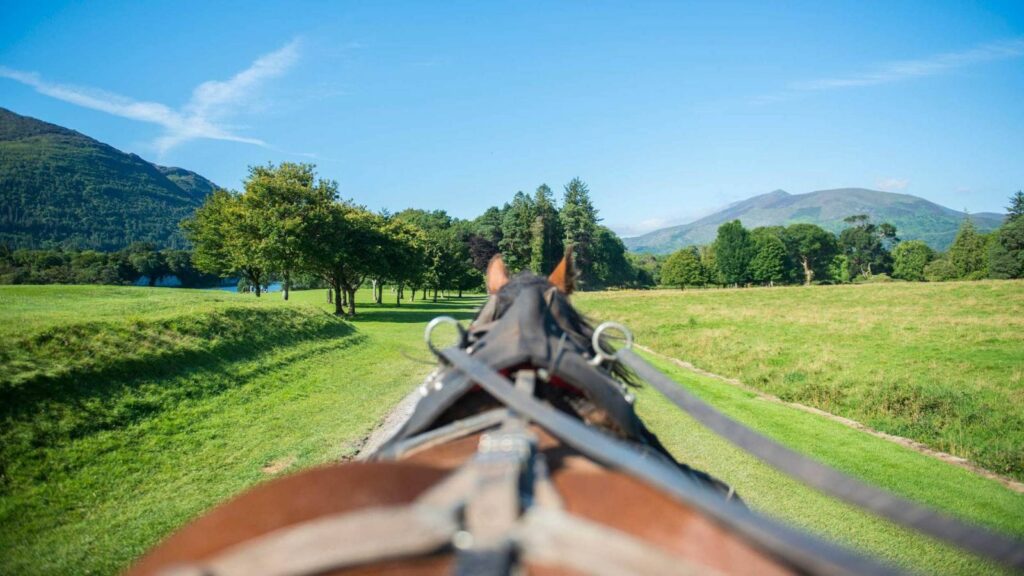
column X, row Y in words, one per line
column 915, row 218
column 59, row 187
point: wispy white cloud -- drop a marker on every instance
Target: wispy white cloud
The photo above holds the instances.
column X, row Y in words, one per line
column 203, row 117
column 893, row 184
column 906, row 69
column 901, row 70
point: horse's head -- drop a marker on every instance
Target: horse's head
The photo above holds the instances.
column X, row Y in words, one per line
column 529, row 323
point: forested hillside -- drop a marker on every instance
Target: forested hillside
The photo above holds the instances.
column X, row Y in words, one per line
column 60, row 188
column 916, row 218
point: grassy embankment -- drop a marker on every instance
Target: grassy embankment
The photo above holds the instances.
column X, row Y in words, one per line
column 940, row 363
column 127, row 411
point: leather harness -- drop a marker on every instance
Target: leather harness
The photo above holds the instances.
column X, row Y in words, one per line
column 500, row 508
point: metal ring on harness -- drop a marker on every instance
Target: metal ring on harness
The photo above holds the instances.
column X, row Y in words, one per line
column 599, row 353
column 463, row 335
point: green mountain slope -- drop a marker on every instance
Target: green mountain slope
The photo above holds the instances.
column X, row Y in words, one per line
column 61, row 188
column 915, row 218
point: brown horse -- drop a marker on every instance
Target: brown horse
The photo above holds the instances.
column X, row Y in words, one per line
column 523, row 454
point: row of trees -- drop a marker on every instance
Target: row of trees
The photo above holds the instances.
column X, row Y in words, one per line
column 863, row 251
column 974, row 255
column 287, row 224
column 139, row 261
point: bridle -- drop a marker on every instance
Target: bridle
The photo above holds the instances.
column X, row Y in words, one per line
column 499, row 508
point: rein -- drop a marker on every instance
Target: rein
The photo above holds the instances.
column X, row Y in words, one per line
column 499, row 508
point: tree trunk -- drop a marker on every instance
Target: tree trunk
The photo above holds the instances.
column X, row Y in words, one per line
column 338, row 310
column 398, row 296
column 435, row 293
column 258, row 289
column 344, row 298
column 460, row 292
column 352, row 302
column 287, row 284
column 808, row 272
column 424, row 292
column 330, row 294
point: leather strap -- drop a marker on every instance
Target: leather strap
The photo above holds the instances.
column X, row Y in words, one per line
column 803, row 551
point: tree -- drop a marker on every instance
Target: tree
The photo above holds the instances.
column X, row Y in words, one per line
column 709, row 264
column 278, row 200
column 910, row 259
column 1006, row 247
column 223, row 234
column 579, row 224
column 610, row 267
column 546, row 247
column 1016, row 208
column 768, row 264
column 865, row 244
column 647, row 269
column 733, row 252
column 969, row 251
column 517, row 232
column 940, row 270
column 812, row 247
column 401, row 257
column 1006, row 251
column 147, row 261
column 683, row 269
column 342, row 246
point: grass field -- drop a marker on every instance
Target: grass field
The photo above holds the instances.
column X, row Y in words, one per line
column 127, row 411
column 940, row 363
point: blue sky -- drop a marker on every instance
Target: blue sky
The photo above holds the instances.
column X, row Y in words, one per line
column 668, row 110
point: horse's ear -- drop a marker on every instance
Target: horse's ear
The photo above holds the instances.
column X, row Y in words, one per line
column 564, row 275
column 497, row 274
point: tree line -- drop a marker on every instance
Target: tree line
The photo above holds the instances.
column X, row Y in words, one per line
column 287, row 223
column 862, row 252
column 140, row 261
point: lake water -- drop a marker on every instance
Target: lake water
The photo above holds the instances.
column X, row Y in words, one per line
column 274, row 287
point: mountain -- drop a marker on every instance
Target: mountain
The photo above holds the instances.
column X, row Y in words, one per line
column 915, row 218
column 61, row 188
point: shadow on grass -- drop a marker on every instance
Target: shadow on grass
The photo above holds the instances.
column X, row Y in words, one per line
column 419, row 311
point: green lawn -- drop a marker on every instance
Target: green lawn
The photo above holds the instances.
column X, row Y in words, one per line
column 940, row 363
column 127, row 411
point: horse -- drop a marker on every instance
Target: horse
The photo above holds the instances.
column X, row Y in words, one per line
column 525, row 454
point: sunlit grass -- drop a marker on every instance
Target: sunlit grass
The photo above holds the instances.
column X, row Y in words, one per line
column 129, row 411
column 939, row 363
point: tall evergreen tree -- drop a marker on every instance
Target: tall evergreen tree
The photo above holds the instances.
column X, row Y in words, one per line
column 1006, row 247
column 733, row 252
column 579, row 224
column 968, row 253
column 517, row 231
column 546, row 247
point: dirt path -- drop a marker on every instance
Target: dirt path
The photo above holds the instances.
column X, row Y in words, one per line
column 905, row 442
column 390, row 424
